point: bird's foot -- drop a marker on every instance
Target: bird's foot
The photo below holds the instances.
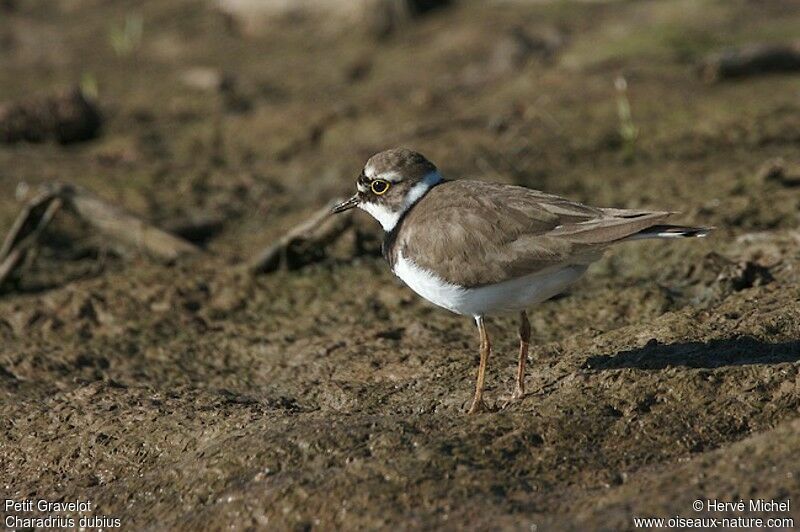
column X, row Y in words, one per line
column 515, row 397
column 478, row 406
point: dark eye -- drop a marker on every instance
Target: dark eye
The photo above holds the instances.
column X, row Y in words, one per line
column 379, row 186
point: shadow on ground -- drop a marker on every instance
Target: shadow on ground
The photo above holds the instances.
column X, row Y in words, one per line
column 714, row 354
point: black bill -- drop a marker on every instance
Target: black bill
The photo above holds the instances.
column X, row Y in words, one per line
column 346, row 205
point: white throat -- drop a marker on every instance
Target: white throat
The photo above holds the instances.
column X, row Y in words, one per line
column 389, row 218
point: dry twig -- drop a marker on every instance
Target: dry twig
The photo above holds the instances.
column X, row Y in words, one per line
column 303, row 242
column 123, row 227
column 751, row 60
column 25, row 232
column 116, row 224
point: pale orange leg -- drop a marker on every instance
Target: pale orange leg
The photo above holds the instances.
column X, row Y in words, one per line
column 524, row 344
column 486, row 347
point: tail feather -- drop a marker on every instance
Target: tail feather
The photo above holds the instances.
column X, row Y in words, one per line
column 670, row 231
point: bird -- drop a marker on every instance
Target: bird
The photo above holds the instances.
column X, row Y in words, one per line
column 479, row 248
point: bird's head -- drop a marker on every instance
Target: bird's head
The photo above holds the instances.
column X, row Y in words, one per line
column 390, row 183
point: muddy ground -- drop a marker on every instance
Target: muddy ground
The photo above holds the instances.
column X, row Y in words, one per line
column 198, row 396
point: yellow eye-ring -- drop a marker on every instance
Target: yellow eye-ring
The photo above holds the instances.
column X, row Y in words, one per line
column 379, row 186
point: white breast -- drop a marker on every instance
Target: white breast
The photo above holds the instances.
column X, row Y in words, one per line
column 509, row 296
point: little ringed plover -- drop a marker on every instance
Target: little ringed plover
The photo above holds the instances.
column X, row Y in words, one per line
column 479, row 249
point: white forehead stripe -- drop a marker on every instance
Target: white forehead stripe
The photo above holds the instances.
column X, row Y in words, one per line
column 390, row 176
column 389, row 218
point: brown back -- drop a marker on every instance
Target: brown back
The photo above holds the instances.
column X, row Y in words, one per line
column 472, row 233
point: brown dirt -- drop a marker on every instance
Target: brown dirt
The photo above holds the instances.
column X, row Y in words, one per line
column 197, row 396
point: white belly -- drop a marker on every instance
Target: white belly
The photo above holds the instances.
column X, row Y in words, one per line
column 509, row 296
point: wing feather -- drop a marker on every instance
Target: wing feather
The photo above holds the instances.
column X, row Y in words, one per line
column 473, row 233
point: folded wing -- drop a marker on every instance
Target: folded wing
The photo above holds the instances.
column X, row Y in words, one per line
column 514, row 231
